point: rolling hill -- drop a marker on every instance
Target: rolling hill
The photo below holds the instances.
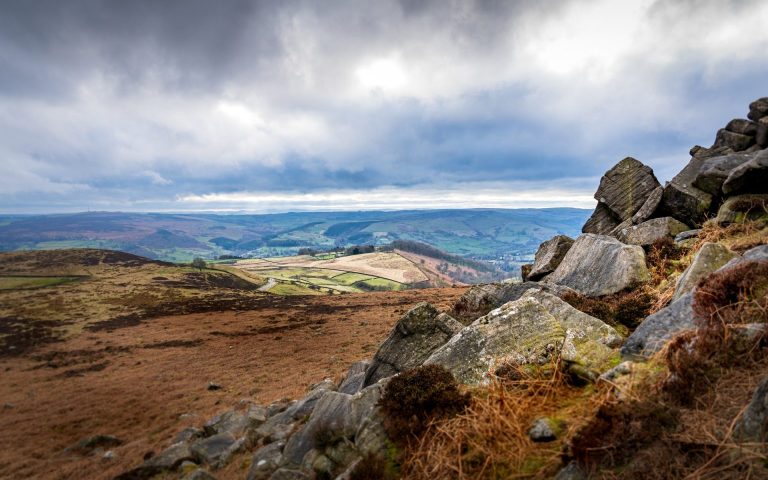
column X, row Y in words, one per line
column 490, row 234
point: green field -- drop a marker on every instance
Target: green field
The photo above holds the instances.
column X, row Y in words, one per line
column 25, row 283
column 314, row 281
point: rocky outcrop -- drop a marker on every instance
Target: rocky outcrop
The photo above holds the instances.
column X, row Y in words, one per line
column 709, row 258
column 650, row 206
column 417, row 334
column 599, row 265
column 549, row 256
column 481, row 299
column 714, row 171
column 355, row 378
column 656, row 330
column 652, row 231
column 531, row 330
column 750, row 176
column 682, row 200
column 629, row 188
column 601, row 222
column 625, row 188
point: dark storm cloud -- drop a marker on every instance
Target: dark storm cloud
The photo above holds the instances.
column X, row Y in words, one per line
column 148, row 104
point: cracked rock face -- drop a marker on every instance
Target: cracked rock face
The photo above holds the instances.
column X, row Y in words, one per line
column 625, row 187
column 417, row 334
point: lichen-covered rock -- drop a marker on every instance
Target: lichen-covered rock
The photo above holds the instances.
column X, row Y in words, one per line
column 599, row 265
column 481, row 299
column 683, row 200
column 546, row 430
column 165, row 461
column 749, row 177
column 601, row 222
column 531, row 329
column 417, row 334
column 649, row 207
column 625, row 187
column 709, row 258
column 656, row 330
column 518, row 332
column 714, row 171
column 549, row 256
column 743, row 208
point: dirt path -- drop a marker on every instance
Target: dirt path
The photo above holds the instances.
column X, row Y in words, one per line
column 144, row 383
column 271, row 282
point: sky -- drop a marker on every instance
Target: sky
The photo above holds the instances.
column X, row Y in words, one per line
column 193, row 105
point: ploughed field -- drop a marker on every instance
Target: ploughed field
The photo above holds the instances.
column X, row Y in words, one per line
column 79, row 359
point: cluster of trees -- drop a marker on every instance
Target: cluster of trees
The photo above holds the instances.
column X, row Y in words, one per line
column 429, row 251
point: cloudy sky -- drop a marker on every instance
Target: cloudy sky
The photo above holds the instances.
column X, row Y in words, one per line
column 283, row 105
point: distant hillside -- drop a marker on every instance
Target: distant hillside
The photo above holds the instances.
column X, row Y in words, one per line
column 504, row 236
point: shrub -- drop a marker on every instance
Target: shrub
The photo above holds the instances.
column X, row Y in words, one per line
column 737, row 295
column 627, row 308
column 618, row 430
column 416, row 397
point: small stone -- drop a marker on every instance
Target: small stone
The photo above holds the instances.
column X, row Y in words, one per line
column 545, row 430
column 8, row 406
column 571, row 472
column 687, row 235
column 752, row 425
column 109, row 455
column 214, row 386
column 96, row 442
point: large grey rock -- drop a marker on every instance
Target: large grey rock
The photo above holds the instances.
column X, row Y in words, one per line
column 749, row 177
column 737, row 141
column 599, row 265
column 743, row 126
column 753, row 424
column 758, row 109
column 743, row 208
column 649, row 207
column 532, row 329
column 601, row 222
column 709, row 258
column 338, row 416
column 265, row 461
column 281, row 425
column 683, row 200
column 417, row 334
column 625, row 187
column 233, row 422
column 549, row 256
column 355, row 378
column 656, row 330
column 165, row 461
column 217, row 449
column 481, row 299
column 652, row 231
column 715, row 170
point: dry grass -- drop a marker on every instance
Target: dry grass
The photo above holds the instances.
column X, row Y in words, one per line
column 490, row 440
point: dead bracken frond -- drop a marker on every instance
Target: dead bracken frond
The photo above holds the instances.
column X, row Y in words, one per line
column 490, row 439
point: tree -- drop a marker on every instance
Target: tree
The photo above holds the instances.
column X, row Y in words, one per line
column 199, row 263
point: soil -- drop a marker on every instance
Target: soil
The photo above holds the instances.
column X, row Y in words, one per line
column 145, row 380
